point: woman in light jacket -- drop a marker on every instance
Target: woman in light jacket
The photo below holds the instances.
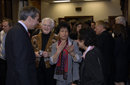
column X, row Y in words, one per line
column 66, row 55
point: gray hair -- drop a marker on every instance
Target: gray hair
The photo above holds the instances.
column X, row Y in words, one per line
column 48, row 19
column 121, row 20
column 28, row 11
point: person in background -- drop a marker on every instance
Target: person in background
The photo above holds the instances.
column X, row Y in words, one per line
column 66, row 55
column 20, row 56
column 86, row 24
column 42, row 43
column 37, row 29
column 105, row 43
column 1, row 26
column 7, row 25
column 74, row 34
column 72, row 23
column 92, row 70
column 121, row 54
column 93, row 25
column 121, row 20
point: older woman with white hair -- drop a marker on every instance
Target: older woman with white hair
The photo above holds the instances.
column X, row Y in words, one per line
column 42, row 46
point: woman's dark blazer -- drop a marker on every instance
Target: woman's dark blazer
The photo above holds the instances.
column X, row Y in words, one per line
column 92, row 68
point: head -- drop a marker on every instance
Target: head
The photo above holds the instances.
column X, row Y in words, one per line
column 120, row 31
column 63, row 30
column 120, row 20
column 87, row 37
column 77, row 27
column 86, row 24
column 72, row 23
column 7, row 25
column 30, row 16
column 93, row 25
column 100, row 27
column 47, row 25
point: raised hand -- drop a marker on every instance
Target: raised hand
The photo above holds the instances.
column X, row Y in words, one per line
column 70, row 48
column 61, row 46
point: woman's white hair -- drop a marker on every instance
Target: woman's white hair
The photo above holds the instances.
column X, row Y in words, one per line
column 48, row 19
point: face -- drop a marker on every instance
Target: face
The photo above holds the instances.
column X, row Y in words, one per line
column 63, row 33
column 79, row 27
column 93, row 25
column 33, row 22
column 98, row 29
column 81, row 44
column 46, row 27
column 6, row 27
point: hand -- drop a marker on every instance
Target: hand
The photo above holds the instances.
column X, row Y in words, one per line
column 70, row 48
column 61, row 46
column 73, row 84
column 37, row 54
column 45, row 54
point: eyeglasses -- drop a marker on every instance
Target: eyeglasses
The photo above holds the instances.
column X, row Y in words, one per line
column 46, row 25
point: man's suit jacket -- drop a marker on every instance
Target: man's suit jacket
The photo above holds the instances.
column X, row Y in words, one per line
column 105, row 43
column 21, row 65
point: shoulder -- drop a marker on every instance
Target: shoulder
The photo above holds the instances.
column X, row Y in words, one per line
column 54, row 44
column 94, row 52
column 17, row 28
column 36, row 36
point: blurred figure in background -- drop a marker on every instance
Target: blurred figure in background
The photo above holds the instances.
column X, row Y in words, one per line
column 86, row 24
column 7, row 25
column 121, row 54
column 37, row 29
column 121, row 20
column 1, row 26
column 74, row 34
column 105, row 43
column 93, row 25
column 72, row 23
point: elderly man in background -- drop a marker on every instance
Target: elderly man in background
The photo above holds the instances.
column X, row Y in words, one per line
column 105, row 43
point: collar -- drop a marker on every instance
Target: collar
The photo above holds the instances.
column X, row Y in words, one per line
column 23, row 25
column 88, row 49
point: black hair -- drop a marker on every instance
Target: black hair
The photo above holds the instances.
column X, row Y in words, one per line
column 63, row 24
column 88, row 35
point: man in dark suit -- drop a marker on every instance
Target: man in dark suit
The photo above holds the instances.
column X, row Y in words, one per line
column 21, row 65
column 105, row 43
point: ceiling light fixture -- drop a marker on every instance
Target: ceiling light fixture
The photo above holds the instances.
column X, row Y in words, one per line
column 61, row 1
column 89, row 0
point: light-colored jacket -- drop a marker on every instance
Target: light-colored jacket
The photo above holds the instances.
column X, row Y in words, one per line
column 72, row 64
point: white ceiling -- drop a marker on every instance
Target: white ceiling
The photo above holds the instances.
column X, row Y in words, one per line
column 51, row 1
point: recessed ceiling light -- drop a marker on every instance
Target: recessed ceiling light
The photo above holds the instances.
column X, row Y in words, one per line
column 61, row 1
column 89, row 0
